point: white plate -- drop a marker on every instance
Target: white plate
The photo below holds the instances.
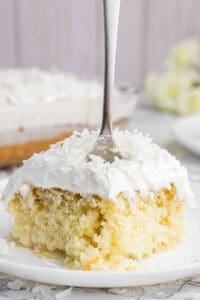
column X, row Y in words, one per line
column 187, row 132
column 166, row 266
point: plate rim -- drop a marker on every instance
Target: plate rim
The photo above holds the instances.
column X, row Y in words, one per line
column 96, row 279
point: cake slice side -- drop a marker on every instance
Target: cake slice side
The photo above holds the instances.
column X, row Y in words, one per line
column 95, row 233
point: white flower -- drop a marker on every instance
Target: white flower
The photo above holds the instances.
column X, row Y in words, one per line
column 189, row 102
column 185, row 55
column 177, row 87
column 166, row 89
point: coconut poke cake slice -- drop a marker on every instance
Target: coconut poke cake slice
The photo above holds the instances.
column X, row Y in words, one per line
column 101, row 216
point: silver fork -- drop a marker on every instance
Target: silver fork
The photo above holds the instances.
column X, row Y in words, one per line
column 104, row 146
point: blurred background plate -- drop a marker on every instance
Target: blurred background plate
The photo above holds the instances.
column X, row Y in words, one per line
column 187, row 132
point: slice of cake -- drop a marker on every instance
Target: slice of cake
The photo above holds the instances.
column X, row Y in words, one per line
column 39, row 108
column 101, row 216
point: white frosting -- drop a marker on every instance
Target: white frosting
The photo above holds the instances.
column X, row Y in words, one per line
column 31, row 98
column 26, row 86
column 145, row 168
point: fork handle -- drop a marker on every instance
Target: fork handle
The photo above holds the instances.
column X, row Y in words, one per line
column 111, row 17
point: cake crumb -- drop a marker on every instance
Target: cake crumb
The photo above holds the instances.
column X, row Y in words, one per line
column 63, row 294
column 16, row 284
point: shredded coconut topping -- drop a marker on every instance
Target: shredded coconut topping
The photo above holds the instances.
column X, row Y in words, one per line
column 24, row 86
column 145, row 168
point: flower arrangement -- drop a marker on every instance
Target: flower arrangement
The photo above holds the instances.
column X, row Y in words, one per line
column 177, row 88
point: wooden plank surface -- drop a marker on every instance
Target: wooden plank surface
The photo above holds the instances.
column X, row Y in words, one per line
column 28, row 19
column 68, row 34
column 7, row 34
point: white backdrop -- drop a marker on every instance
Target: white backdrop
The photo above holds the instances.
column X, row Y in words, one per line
column 69, row 34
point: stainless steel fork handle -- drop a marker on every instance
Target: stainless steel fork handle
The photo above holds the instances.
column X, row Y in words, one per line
column 111, row 18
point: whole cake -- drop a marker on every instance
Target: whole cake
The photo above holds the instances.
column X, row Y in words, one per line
column 38, row 108
column 101, row 216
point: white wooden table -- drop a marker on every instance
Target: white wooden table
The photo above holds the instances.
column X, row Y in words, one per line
column 159, row 126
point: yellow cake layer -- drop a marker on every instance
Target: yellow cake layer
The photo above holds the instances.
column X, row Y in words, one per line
column 95, row 233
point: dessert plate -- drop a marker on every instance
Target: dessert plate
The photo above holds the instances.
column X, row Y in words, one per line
column 166, row 266
column 187, row 132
